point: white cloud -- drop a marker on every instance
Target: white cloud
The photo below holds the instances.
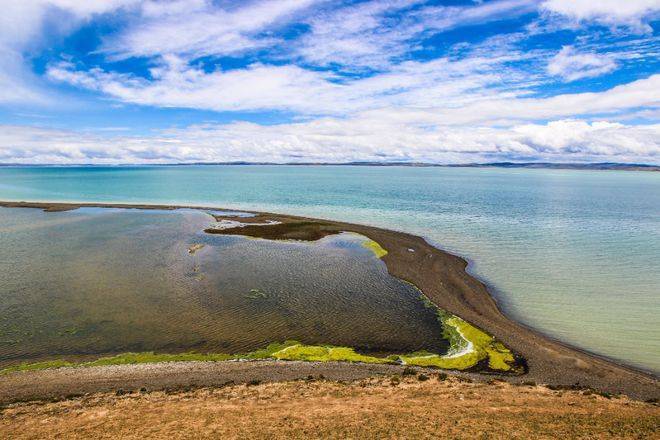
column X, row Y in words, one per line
column 338, row 140
column 640, row 93
column 572, row 65
column 470, row 90
column 354, row 35
column 633, row 14
column 175, row 83
column 16, row 81
column 197, row 28
column 21, row 24
column 572, row 138
column 475, row 103
column 367, row 35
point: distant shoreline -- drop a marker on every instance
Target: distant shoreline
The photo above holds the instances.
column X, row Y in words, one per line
column 600, row 166
column 443, row 278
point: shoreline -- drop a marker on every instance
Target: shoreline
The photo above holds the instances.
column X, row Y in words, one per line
column 446, row 280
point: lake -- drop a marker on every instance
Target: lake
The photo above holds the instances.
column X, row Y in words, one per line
column 572, row 253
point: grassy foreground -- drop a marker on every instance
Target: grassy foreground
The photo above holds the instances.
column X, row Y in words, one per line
column 392, row 407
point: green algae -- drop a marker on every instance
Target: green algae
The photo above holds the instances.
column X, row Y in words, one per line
column 269, row 351
column 57, row 363
column 375, row 247
column 256, row 294
column 473, row 347
column 318, row 353
column 122, row 359
column 150, row 358
column 469, row 346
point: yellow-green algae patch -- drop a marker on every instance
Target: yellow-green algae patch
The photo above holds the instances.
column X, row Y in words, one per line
column 57, row 363
column 317, row 353
column 121, row 359
column 469, row 346
column 375, row 247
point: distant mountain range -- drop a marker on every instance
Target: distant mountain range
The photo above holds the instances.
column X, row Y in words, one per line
column 570, row 166
column 545, row 165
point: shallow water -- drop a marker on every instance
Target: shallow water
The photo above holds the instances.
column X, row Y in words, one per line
column 96, row 281
column 572, row 253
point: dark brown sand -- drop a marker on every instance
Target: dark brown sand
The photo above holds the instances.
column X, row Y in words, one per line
column 62, row 383
column 443, row 278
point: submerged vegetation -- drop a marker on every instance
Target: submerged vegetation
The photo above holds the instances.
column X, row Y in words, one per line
column 256, row 294
column 468, row 347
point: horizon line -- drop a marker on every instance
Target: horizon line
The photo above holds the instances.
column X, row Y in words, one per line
column 505, row 164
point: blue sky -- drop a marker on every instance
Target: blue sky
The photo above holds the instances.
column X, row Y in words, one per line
column 135, row 81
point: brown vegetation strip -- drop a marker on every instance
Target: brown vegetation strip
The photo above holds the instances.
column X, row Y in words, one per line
column 392, row 407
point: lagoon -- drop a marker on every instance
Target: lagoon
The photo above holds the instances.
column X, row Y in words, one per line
column 94, row 282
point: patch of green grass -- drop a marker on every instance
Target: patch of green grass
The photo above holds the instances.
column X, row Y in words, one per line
column 375, row 247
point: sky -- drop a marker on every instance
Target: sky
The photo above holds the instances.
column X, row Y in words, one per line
column 181, row 81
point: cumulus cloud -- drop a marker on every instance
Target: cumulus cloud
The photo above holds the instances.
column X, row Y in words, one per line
column 632, row 14
column 572, row 65
column 363, row 138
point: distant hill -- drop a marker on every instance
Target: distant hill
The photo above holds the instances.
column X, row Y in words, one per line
column 540, row 165
column 569, row 166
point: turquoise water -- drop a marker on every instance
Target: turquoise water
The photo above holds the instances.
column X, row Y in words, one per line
column 572, row 253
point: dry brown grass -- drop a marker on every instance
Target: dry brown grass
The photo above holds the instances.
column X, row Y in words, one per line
column 373, row 408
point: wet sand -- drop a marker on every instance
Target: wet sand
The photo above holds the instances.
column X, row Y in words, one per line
column 443, row 278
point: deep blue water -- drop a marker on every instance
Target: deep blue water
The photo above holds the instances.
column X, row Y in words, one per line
column 572, row 253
